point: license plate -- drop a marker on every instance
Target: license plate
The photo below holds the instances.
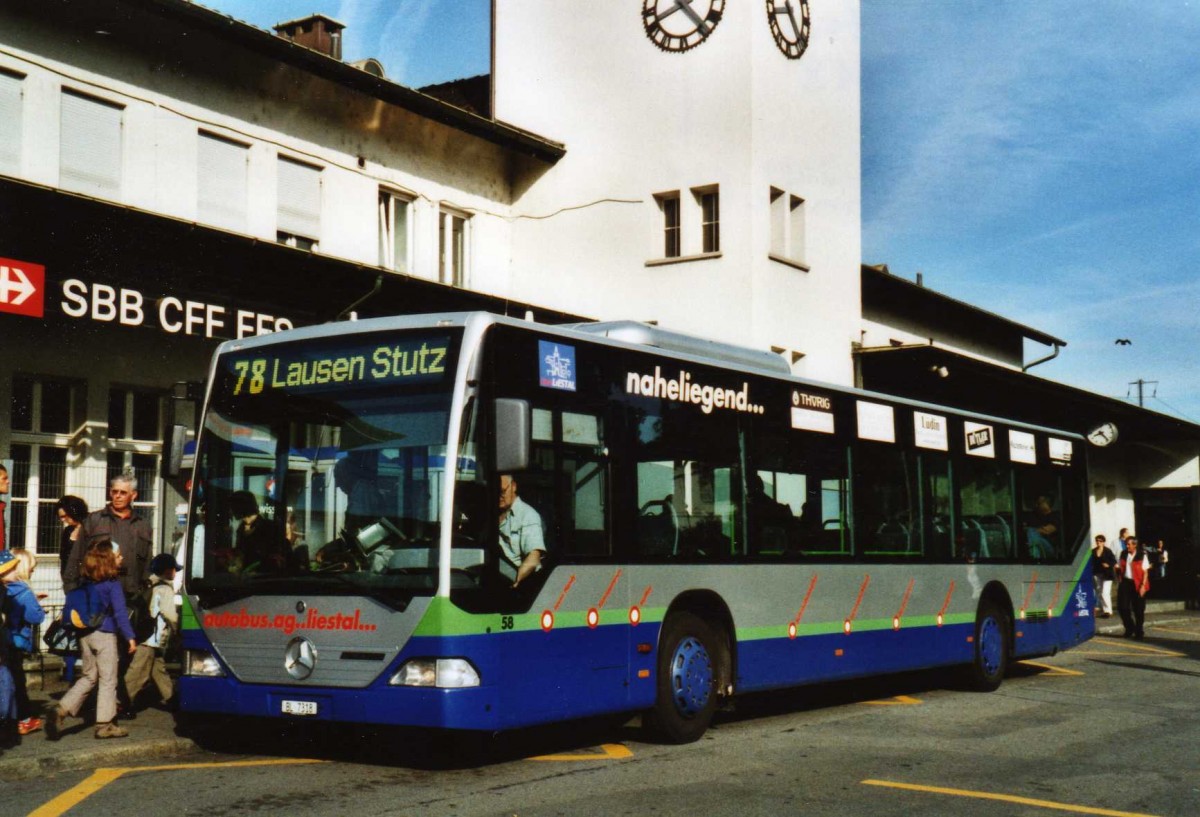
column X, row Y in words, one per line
column 299, row 707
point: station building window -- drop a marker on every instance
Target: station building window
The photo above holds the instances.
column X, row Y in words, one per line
column 11, row 92
column 298, row 210
column 453, row 228
column 222, row 182
column 672, row 229
column 395, row 230
column 709, row 201
column 788, row 228
column 45, row 418
column 90, row 145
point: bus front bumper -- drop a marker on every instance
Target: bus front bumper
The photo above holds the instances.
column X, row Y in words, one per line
column 473, row 708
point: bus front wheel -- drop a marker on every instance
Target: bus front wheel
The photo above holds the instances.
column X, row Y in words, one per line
column 990, row 664
column 686, row 695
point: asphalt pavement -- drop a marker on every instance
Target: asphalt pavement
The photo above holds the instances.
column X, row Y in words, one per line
column 153, row 733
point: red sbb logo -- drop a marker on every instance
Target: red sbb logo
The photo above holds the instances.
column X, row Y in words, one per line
column 22, row 288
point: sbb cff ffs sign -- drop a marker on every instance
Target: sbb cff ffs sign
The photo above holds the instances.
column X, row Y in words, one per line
column 22, row 288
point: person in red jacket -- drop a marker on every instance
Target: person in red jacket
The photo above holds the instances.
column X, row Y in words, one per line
column 1134, row 572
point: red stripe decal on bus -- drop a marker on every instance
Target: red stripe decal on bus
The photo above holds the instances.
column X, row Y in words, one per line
column 608, row 592
column 1029, row 592
column 946, row 603
column 563, row 594
column 811, row 584
column 907, row 594
column 1054, row 601
column 861, row 592
column 645, row 595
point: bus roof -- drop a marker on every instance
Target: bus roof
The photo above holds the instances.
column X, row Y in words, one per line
column 621, row 334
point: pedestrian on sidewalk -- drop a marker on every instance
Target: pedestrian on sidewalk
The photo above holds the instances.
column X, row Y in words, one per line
column 101, row 566
column 1104, row 568
column 71, row 512
column 1162, row 559
column 1122, row 537
column 149, row 662
column 22, row 613
column 1134, row 570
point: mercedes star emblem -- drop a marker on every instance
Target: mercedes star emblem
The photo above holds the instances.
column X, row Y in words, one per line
column 300, row 658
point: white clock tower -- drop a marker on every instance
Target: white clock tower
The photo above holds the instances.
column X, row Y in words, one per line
column 711, row 180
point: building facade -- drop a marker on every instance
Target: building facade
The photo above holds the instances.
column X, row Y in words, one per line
column 171, row 177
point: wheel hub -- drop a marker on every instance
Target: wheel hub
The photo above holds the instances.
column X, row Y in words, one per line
column 691, row 676
column 991, row 645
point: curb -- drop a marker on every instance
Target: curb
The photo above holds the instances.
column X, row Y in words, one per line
column 17, row 767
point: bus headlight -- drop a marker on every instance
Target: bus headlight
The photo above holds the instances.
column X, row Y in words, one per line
column 201, row 663
column 444, row 673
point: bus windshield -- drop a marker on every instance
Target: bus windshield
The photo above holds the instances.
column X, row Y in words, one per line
column 321, row 467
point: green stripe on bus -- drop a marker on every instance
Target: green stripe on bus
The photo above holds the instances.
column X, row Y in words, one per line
column 187, row 616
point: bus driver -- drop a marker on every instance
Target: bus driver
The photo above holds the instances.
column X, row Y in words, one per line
column 521, row 541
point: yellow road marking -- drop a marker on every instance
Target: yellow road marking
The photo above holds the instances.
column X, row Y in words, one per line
column 611, row 751
column 102, row 777
column 1007, row 798
column 899, row 700
column 1054, row 672
column 1171, row 630
column 1127, row 645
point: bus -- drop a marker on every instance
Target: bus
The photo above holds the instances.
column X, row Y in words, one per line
column 711, row 525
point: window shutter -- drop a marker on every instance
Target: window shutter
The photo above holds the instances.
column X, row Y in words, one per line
column 90, row 146
column 10, row 124
column 222, row 187
column 299, row 210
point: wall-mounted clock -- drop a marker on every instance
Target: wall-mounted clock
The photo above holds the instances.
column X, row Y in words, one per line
column 1103, row 434
column 790, row 26
column 678, row 25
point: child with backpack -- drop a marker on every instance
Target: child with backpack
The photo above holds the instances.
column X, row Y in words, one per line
column 21, row 613
column 149, row 662
column 104, row 629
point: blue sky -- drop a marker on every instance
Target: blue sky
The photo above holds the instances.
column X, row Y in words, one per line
column 1042, row 160
column 420, row 42
column 1038, row 159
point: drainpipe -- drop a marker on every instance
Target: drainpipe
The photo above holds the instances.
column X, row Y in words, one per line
column 1041, row 360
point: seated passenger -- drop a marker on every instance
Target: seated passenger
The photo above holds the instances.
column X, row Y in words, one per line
column 522, row 544
column 259, row 543
column 771, row 522
column 1041, row 528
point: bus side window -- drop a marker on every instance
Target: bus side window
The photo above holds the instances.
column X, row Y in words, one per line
column 884, row 486
column 937, row 505
column 985, row 529
column 689, row 487
column 567, row 483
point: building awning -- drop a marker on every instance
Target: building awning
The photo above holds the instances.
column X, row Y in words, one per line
column 89, row 251
column 935, row 375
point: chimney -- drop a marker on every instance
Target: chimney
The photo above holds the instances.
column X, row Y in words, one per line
column 318, row 32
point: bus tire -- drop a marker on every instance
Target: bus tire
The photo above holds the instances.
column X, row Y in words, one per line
column 686, row 686
column 992, row 629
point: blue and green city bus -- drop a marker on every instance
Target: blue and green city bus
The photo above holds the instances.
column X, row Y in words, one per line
column 712, row 525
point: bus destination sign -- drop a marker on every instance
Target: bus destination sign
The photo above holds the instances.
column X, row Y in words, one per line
column 297, row 368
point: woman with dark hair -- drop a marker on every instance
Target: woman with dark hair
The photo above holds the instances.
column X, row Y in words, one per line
column 71, row 512
column 100, row 647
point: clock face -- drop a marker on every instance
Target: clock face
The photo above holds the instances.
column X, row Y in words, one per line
column 1103, row 435
column 678, row 25
column 790, row 25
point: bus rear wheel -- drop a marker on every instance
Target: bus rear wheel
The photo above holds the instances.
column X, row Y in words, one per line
column 992, row 628
column 686, row 694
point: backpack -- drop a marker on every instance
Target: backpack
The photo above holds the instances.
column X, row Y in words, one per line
column 143, row 623
column 83, row 609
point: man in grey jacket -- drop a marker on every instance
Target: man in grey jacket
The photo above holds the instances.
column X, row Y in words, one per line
column 128, row 530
